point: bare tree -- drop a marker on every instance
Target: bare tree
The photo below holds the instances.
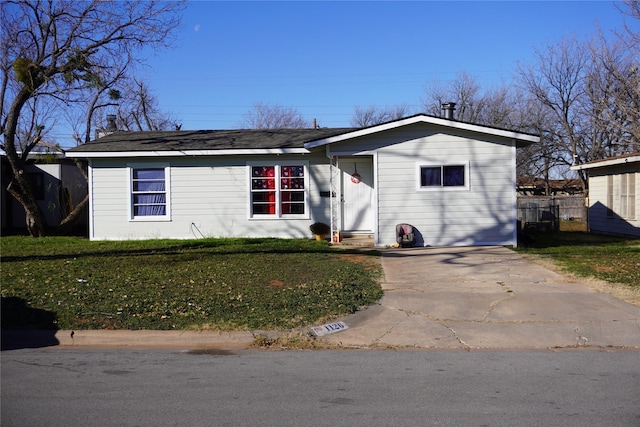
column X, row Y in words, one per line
column 435, row 95
column 493, row 107
column 544, row 159
column 469, row 102
column 140, row 110
column 265, row 116
column 498, row 108
column 613, row 88
column 464, row 90
column 363, row 117
column 630, row 8
column 130, row 100
column 590, row 92
column 56, row 51
column 90, row 102
column 556, row 81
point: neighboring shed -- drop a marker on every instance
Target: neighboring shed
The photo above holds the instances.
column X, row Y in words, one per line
column 58, row 187
column 614, row 195
column 453, row 181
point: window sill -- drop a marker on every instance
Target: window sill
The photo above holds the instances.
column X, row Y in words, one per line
column 281, row 218
column 443, row 189
column 150, row 219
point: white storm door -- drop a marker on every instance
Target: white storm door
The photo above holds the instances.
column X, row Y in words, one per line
column 357, row 194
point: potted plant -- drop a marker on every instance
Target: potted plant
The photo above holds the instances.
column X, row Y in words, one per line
column 320, row 230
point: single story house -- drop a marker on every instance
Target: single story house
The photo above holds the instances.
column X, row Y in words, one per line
column 455, row 182
column 614, row 195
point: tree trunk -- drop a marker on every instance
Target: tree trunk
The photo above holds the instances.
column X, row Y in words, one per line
column 547, row 186
column 35, row 220
column 20, row 187
column 69, row 221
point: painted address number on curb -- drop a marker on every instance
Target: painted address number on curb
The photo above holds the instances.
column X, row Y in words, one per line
column 329, row 328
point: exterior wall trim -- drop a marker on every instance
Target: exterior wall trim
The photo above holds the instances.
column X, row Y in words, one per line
column 186, row 153
column 607, row 162
column 91, row 202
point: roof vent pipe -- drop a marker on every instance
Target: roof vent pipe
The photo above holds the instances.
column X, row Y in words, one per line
column 111, row 123
column 449, row 108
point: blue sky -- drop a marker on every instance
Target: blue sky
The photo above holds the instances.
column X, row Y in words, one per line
column 325, row 58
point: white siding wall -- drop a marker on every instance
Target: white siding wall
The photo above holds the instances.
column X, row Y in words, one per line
column 599, row 222
column 598, row 200
column 209, row 197
column 482, row 215
column 108, row 200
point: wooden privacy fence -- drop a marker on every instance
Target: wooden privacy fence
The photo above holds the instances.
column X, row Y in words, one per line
column 549, row 210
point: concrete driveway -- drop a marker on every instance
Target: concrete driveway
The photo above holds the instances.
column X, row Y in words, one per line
column 485, row 298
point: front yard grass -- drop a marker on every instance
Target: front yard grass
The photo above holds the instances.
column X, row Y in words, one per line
column 615, row 260
column 224, row 284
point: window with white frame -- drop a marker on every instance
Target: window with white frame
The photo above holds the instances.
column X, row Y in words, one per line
column 278, row 190
column 628, row 195
column 453, row 176
column 149, row 192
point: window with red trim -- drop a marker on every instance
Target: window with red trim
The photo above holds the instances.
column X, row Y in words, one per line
column 278, row 190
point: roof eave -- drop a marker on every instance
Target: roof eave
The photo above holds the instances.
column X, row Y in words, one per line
column 605, row 163
column 183, row 153
column 525, row 138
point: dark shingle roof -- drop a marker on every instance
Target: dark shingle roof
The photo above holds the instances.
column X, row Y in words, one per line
column 184, row 140
column 263, row 139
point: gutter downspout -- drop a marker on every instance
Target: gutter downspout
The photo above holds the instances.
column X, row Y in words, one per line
column 330, row 195
column 333, row 195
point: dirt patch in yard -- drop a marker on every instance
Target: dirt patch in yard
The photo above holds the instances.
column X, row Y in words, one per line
column 276, row 283
column 368, row 261
column 618, row 290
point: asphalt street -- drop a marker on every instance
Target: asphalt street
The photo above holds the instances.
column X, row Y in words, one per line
column 90, row 387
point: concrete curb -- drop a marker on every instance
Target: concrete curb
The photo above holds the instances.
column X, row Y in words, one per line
column 155, row 339
column 187, row 340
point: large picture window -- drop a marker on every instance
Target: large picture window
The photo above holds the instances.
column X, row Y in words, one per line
column 444, row 177
column 278, row 190
column 149, row 195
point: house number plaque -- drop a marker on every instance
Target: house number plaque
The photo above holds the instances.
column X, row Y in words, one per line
column 329, row 328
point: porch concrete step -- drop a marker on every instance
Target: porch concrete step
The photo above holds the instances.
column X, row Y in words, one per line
column 364, row 240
